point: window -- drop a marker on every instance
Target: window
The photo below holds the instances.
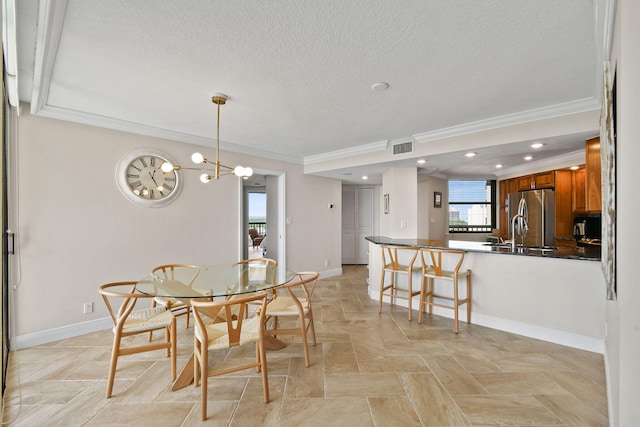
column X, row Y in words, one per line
column 472, row 206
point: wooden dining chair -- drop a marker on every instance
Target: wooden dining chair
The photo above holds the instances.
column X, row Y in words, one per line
column 257, row 269
column 393, row 265
column 128, row 322
column 293, row 300
column 186, row 273
column 232, row 331
column 433, row 269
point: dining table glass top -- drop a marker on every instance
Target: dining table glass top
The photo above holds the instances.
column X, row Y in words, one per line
column 214, row 280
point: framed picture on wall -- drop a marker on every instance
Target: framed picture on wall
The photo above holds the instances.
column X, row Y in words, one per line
column 386, row 203
column 437, row 199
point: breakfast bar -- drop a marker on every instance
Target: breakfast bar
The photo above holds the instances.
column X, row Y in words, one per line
column 557, row 295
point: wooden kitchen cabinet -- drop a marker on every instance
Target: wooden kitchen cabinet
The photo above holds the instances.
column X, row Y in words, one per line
column 537, row 181
column 579, row 190
column 593, row 181
column 563, row 201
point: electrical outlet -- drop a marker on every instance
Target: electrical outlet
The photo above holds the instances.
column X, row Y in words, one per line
column 87, row 307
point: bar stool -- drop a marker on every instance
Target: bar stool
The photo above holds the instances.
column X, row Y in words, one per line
column 391, row 264
column 433, row 271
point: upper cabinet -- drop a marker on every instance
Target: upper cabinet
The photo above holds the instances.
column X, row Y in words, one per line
column 587, row 188
column 593, row 181
column 538, row 181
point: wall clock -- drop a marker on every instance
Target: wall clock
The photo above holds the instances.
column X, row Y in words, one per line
column 141, row 179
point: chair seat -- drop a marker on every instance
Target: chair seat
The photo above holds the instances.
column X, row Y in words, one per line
column 400, row 267
column 147, row 319
column 286, row 306
column 219, row 336
column 446, row 275
column 169, row 302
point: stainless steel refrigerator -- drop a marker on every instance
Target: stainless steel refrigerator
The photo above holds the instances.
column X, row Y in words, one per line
column 539, row 209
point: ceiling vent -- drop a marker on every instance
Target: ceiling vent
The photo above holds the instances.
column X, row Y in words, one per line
column 403, row 148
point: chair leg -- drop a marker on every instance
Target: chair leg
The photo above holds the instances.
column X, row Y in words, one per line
column 305, row 345
column 381, row 292
column 263, row 368
column 313, row 329
column 455, row 306
column 115, row 350
column 174, row 348
column 187, row 316
column 409, row 296
column 469, row 299
column 204, row 374
column 153, row 304
column 421, row 306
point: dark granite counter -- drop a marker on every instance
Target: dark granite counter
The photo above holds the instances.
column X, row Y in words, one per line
column 567, row 252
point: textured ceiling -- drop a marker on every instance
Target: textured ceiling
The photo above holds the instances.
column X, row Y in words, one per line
column 299, row 73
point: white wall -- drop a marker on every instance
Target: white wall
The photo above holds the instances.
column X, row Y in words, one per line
column 623, row 316
column 76, row 231
column 401, row 184
column 432, row 221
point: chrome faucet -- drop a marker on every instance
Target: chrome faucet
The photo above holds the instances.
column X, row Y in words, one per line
column 513, row 229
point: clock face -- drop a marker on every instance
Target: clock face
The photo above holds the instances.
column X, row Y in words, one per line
column 141, row 179
column 147, row 180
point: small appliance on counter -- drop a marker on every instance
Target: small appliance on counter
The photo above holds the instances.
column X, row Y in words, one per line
column 587, row 231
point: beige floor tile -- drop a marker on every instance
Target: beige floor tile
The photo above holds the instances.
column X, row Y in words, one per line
column 518, row 383
column 453, row 376
column 393, row 411
column 574, row 412
column 506, row 410
column 339, row 358
column 384, row 384
column 303, row 382
column 431, row 401
column 131, row 414
column 352, row 412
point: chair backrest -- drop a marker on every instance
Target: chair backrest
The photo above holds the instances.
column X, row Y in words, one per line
column 259, row 269
column 436, row 259
column 124, row 291
column 185, row 273
column 306, row 281
column 390, row 255
column 231, row 311
column 253, row 233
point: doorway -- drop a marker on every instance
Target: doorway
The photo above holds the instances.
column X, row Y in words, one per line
column 263, row 197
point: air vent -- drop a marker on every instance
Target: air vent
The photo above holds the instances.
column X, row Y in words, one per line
column 403, row 148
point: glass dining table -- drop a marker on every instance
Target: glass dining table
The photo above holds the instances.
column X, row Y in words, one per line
column 214, row 281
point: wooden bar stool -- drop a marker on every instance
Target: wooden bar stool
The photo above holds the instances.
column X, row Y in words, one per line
column 434, row 270
column 391, row 264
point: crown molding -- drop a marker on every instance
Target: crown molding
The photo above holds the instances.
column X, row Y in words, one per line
column 139, row 129
column 50, row 20
column 579, row 106
column 347, row 152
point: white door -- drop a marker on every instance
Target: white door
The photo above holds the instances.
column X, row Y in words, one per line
column 357, row 223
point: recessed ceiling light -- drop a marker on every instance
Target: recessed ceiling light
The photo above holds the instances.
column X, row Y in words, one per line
column 527, row 158
column 422, row 161
column 365, row 177
column 380, row 86
column 470, row 154
column 498, row 166
column 574, row 168
column 537, row 145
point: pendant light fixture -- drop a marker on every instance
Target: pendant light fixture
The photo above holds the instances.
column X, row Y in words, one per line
column 218, row 168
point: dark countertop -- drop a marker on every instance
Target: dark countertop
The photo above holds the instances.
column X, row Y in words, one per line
column 566, row 252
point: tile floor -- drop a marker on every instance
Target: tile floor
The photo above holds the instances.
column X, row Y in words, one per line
column 367, row 370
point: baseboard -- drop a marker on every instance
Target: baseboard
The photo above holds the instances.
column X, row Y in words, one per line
column 555, row 336
column 50, row 335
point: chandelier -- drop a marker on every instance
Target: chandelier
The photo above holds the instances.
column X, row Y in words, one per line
column 218, row 168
